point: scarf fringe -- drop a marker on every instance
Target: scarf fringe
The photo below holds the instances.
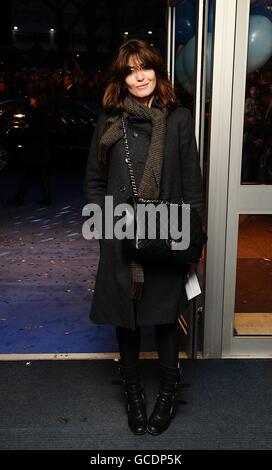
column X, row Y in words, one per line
column 103, row 150
column 136, row 290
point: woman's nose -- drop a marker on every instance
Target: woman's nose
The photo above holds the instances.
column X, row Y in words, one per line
column 139, row 75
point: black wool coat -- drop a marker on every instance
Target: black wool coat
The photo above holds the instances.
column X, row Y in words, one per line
column 163, row 296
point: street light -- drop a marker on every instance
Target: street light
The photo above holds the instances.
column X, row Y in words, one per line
column 51, row 35
column 15, row 30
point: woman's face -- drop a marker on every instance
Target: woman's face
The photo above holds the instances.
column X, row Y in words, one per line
column 140, row 82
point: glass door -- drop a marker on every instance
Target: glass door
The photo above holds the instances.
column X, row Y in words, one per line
column 247, row 326
column 238, row 255
column 190, row 38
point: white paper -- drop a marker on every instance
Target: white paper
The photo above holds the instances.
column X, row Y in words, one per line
column 192, row 286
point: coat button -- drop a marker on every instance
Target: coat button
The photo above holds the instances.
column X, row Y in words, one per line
column 135, row 134
column 123, row 188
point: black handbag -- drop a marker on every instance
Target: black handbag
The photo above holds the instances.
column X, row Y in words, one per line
column 160, row 249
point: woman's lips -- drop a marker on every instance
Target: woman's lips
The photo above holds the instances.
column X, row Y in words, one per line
column 142, row 86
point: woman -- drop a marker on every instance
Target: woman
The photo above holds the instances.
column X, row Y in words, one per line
column 164, row 157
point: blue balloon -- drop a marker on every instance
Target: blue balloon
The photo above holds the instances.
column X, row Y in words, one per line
column 259, row 42
column 262, row 10
column 185, row 21
column 189, row 58
column 185, row 65
column 181, row 75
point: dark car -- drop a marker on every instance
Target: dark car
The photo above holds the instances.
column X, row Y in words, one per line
column 70, row 127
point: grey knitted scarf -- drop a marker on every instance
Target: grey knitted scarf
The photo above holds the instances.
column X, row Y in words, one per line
column 149, row 187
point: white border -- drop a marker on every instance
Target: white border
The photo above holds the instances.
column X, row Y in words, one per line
column 78, row 356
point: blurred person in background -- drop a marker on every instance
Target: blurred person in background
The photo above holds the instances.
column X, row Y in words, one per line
column 36, row 157
column 3, row 89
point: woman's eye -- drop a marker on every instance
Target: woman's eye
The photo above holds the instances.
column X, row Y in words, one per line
column 144, row 67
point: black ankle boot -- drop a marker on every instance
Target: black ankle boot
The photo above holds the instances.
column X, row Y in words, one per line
column 164, row 408
column 135, row 398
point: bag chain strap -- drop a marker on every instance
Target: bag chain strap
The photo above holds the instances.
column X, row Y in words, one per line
column 131, row 174
column 128, row 161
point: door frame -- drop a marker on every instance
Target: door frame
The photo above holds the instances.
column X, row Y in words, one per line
column 227, row 198
column 242, row 199
column 199, row 120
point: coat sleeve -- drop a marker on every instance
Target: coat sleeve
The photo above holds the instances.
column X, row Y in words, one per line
column 192, row 188
column 95, row 183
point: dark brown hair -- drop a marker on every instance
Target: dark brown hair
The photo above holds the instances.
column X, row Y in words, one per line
column 115, row 91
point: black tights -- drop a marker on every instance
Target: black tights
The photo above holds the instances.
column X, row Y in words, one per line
column 166, row 339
